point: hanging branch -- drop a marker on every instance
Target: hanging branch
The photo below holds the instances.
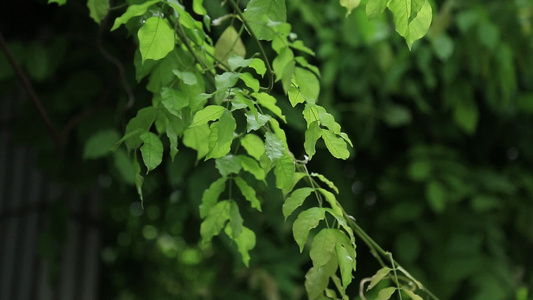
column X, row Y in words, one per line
column 31, row 93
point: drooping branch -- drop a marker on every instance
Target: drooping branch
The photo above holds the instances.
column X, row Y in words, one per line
column 32, row 94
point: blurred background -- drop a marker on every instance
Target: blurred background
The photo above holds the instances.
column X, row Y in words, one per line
column 441, row 174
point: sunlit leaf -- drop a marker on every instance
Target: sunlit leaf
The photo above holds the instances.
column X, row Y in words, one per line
column 221, row 136
column 284, row 67
column 412, row 18
column 375, row 8
column 336, row 146
column 412, row 294
column 269, row 102
column 259, row 66
column 174, row 100
column 350, row 5
column 245, row 242
column 328, row 182
column 133, row 11
column 197, row 138
column 209, row 113
column 254, row 145
column 255, row 121
column 306, row 221
column 156, row 39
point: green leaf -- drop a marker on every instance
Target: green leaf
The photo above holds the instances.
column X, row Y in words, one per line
column 255, row 121
column 316, row 282
column 189, row 78
column 209, row 113
column 259, row 66
column 229, row 44
column 299, row 45
column 350, row 5
column 236, row 61
column 308, row 84
column 98, row 9
column 216, row 220
column 174, row 127
column 375, row 8
column 100, row 144
column 250, row 81
column 284, row 67
column 284, row 171
column 252, row 166
column 197, row 138
column 174, row 100
column 279, row 132
column 330, row 198
column 328, row 120
column 306, row 221
column 152, row 151
column 226, row 80
column 235, row 221
column 412, row 18
column 346, row 264
column 221, row 136
column 323, row 247
column 380, row 274
column 336, row 146
column 295, row 200
column 228, row 164
column 59, row 2
column 261, row 13
column 269, row 102
column 248, row 192
column 156, row 39
column 436, row 194
column 253, row 145
column 133, row 11
column 386, row 293
column 328, row 182
column 312, row 134
column 274, row 147
column 140, row 123
column 295, row 96
column 198, row 7
column 295, row 179
column 211, row 195
column 412, row 294
column 245, row 242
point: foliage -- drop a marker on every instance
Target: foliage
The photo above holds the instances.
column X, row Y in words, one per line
column 209, row 93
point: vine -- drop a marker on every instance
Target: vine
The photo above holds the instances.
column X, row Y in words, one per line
column 208, row 96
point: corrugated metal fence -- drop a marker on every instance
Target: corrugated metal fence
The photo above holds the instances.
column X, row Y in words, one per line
column 26, row 196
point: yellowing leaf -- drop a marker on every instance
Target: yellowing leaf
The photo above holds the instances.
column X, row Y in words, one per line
column 156, row 39
column 350, row 5
column 229, row 44
column 380, row 274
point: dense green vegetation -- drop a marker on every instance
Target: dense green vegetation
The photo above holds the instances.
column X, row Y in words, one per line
column 440, row 173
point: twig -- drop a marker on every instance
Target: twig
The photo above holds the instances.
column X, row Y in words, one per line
column 31, row 93
column 261, row 50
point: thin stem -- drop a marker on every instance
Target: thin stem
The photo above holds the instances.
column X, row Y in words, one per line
column 261, row 50
column 31, row 93
column 395, row 275
column 185, row 40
